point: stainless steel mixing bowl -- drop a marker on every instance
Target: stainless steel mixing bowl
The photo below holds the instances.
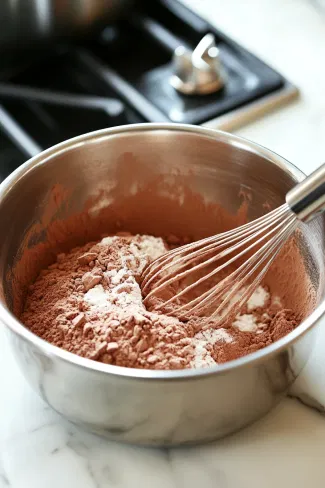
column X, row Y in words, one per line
column 142, row 406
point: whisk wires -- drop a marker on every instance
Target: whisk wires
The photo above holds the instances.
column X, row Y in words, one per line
column 230, row 265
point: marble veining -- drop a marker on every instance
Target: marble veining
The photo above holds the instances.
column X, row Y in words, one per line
column 309, row 388
column 4, row 481
column 39, row 449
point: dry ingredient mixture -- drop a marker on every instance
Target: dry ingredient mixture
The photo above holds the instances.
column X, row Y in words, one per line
column 89, row 303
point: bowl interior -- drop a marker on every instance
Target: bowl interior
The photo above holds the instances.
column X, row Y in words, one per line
column 156, row 181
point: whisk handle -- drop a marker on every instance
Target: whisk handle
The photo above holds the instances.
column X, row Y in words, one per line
column 307, row 199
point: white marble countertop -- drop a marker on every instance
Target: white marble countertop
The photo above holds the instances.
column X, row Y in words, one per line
column 38, row 449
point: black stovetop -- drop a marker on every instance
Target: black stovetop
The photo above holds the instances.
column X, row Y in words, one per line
column 121, row 77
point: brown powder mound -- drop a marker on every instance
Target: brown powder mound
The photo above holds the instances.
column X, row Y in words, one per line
column 89, row 303
column 283, row 323
column 273, row 325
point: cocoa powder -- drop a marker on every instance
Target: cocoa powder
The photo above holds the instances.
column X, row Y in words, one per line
column 89, row 303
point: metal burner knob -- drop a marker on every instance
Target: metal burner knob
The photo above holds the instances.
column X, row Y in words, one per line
column 200, row 71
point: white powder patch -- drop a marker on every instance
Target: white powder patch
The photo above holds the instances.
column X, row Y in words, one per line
column 108, row 241
column 202, row 356
column 211, row 336
column 248, row 322
column 104, row 201
column 129, row 298
column 148, row 249
column 98, row 297
column 139, row 253
column 245, row 323
column 123, row 290
column 130, row 262
column 117, row 276
column 258, row 299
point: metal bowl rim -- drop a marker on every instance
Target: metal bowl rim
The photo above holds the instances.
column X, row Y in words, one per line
column 50, row 350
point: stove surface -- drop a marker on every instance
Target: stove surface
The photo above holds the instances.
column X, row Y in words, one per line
column 124, row 77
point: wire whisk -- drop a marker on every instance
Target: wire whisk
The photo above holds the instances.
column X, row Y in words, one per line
column 214, row 277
